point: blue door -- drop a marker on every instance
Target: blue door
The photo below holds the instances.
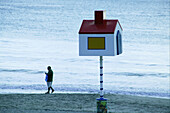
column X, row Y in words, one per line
column 119, row 42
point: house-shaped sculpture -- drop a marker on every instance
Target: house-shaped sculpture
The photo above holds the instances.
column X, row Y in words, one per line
column 100, row 37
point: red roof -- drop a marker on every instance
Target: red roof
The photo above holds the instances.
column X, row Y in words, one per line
column 89, row 27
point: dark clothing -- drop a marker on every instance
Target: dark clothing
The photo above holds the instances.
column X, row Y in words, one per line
column 50, row 76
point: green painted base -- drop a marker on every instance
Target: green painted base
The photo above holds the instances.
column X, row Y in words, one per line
column 101, row 105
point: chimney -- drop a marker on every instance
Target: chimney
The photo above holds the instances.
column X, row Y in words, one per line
column 99, row 17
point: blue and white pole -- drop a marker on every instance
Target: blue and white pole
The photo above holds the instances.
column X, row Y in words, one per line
column 101, row 102
column 101, row 76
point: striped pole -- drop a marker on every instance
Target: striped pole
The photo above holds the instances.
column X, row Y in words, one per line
column 101, row 76
column 101, row 102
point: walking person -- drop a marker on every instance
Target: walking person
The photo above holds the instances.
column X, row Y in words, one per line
column 49, row 80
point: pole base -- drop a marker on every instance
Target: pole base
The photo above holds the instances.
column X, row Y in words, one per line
column 101, row 105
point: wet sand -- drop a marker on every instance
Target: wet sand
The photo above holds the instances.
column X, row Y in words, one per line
column 80, row 103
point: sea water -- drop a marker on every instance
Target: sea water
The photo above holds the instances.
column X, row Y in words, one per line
column 37, row 33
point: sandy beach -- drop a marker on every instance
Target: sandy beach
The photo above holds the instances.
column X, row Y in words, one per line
column 80, row 103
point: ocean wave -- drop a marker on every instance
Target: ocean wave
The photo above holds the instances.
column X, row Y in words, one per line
column 29, row 71
column 139, row 74
column 22, row 71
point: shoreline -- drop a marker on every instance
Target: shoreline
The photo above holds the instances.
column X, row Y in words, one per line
column 80, row 103
column 38, row 93
column 19, row 91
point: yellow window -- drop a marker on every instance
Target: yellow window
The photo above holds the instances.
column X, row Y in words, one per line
column 96, row 43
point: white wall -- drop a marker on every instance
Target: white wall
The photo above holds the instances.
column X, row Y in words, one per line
column 109, row 45
column 115, row 33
